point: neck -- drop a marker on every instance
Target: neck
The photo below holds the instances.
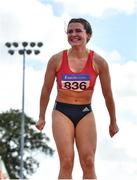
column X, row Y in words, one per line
column 78, row 52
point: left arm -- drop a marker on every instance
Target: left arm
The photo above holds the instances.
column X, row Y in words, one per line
column 105, row 81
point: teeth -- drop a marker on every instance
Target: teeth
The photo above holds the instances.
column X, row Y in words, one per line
column 75, row 39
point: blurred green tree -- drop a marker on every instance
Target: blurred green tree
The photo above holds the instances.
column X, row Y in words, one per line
column 34, row 142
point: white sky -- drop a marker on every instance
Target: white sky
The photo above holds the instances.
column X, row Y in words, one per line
column 33, row 20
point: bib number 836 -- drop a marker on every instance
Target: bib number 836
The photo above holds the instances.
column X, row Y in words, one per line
column 75, row 85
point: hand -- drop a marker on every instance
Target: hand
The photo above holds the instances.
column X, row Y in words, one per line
column 40, row 124
column 113, row 129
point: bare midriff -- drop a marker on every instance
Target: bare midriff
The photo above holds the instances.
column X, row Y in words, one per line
column 74, row 97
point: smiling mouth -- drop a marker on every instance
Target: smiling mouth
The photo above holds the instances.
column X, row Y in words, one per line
column 75, row 39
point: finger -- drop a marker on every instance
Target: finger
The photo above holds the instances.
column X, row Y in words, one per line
column 112, row 133
column 38, row 126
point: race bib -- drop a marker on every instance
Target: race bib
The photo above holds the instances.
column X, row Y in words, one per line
column 75, row 82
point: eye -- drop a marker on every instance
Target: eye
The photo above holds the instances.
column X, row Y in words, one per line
column 78, row 30
column 70, row 31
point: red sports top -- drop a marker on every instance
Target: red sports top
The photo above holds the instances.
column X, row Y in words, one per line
column 76, row 81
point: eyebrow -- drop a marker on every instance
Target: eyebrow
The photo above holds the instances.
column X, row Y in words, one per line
column 77, row 30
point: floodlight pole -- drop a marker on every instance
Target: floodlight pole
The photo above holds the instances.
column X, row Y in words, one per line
column 23, row 51
column 22, row 117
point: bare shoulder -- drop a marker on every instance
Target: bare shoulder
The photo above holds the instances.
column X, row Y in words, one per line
column 100, row 63
column 55, row 60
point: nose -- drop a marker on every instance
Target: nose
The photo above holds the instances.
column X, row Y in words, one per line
column 73, row 33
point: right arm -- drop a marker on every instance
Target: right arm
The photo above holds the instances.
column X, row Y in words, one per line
column 46, row 91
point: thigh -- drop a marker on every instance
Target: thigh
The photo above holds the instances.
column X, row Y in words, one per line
column 63, row 133
column 86, row 137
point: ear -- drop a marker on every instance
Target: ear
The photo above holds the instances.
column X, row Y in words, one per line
column 88, row 37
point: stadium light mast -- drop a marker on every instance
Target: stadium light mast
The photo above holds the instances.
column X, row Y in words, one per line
column 23, row 48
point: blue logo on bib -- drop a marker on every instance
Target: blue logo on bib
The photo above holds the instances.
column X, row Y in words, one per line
column 75, row 77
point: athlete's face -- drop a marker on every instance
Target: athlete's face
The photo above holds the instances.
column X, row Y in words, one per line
column 77, row 34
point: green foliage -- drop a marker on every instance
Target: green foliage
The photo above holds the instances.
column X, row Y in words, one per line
column 34, row 142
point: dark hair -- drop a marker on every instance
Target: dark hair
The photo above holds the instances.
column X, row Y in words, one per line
column 84, row 22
